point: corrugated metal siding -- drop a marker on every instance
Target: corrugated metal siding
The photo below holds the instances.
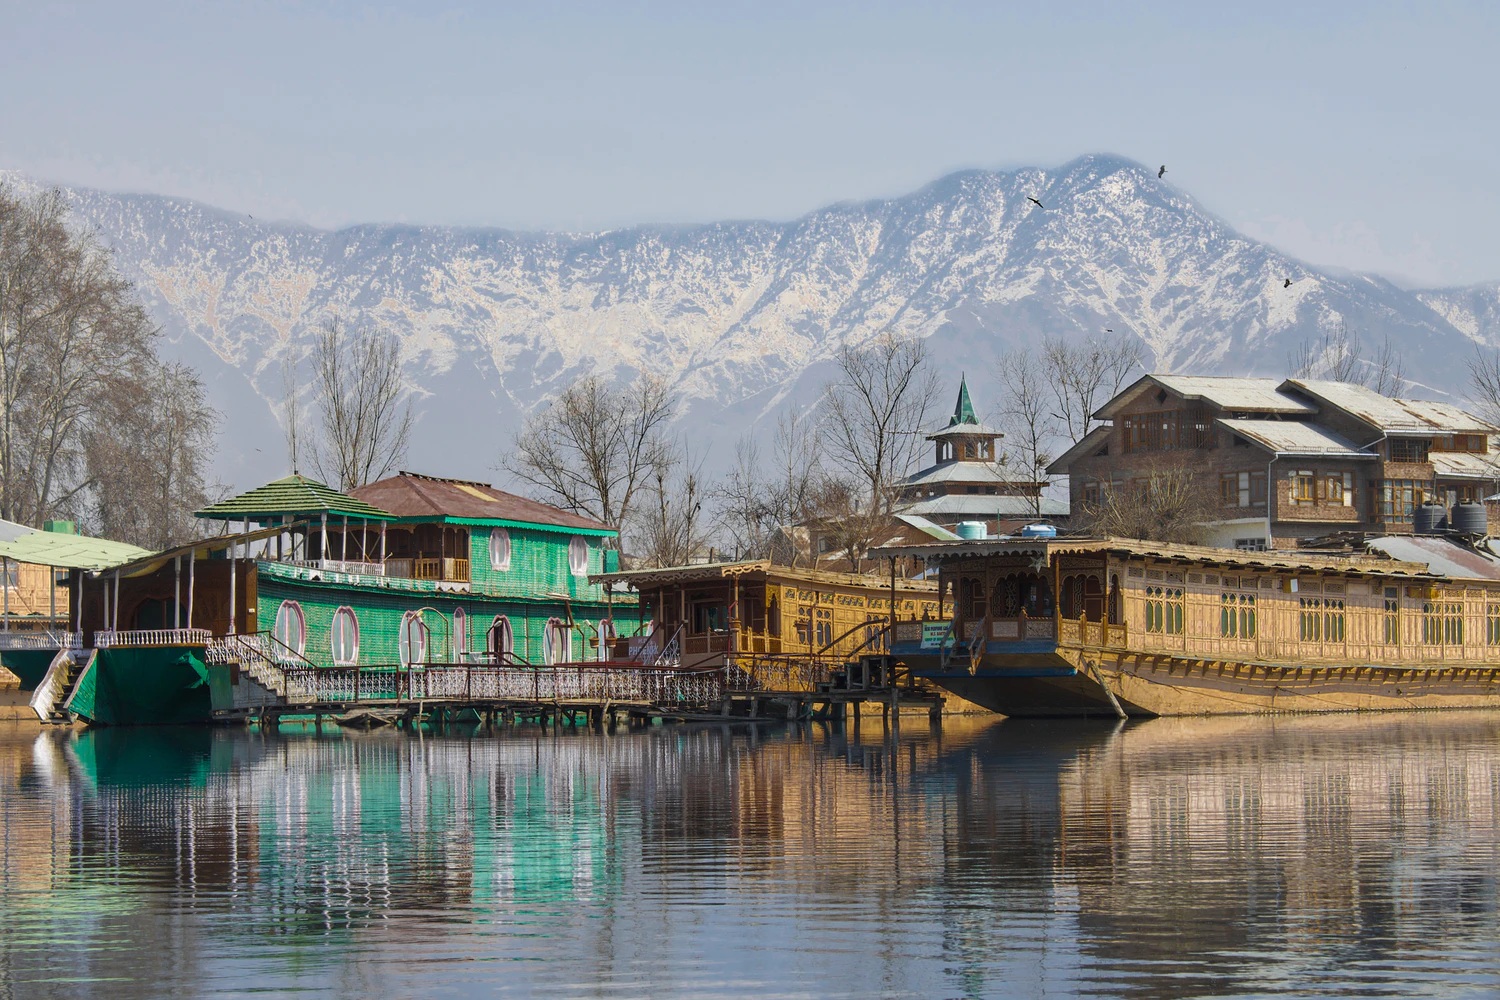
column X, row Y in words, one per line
column 538, row 566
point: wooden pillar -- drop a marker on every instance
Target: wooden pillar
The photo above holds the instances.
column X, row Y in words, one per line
column 382, row 543
column 192, row 563
column 177, row 592
column 78, row 600
column 5, row 568
column 117, row 601
column 892, row 640
column 344, row 541
column 233, row 598
column 323, row 533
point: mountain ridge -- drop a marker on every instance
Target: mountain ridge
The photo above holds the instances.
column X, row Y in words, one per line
column 746, row 316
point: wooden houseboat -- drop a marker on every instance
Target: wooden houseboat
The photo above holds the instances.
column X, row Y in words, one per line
column 781, row 628
column 441, row 571
column 1113, row 627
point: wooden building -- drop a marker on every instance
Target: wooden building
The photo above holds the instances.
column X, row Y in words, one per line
column 1289, row 459
column 751, row 614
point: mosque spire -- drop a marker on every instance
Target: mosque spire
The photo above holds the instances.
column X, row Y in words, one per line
column 963, row 411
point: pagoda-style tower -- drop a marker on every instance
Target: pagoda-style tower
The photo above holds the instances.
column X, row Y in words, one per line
column 966, row 483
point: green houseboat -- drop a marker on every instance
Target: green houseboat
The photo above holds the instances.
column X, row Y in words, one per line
column 396, row 575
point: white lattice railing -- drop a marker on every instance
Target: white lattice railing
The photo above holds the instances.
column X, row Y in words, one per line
column 339, row 566
column 108, row 638
column 486, row 683
column 41, row 640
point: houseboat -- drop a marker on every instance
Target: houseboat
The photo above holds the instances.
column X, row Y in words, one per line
column 405, row 572
column 1051, row 626
column 780, row 628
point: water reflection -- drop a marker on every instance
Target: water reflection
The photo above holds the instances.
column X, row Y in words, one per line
column 1170, row 858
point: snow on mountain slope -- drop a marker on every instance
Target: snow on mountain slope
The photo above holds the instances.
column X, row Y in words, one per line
column 745, row 316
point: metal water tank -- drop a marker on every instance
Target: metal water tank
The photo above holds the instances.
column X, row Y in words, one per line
column 972, row 531
column 1469, row 519
column 1429, row 519
column 1038, row 531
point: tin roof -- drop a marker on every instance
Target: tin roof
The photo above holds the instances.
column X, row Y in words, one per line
column 926, row 527
column 1393, row 416
column 1278, row 561
column 48, row 548
column 1295, row 437
column 411, row 495
column 1251, row 395
column 668, row 575
column 969, row 505
column 1464, row 465
column 957, row 472
column 1442, row 556
column 295, row 495
column 964, row 421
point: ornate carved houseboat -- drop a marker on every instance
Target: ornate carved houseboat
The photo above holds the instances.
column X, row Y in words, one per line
column 1112, row 627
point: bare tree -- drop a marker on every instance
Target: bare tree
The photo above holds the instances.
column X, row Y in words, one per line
column 1082, row 377
column 1169, row 504
column 875, row 411
column 762, row 494
column 1484, row 382
column 841, row 513
column 671, row 527
column 150, row 478
column 1031, row 428
column 80, row 386
column 362, row 400
column 1337, row 355
column 596, row 446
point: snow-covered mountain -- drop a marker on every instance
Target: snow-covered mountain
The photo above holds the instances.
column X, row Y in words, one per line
column 745, row 316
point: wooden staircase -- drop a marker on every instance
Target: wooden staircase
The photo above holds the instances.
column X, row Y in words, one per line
column 50, row 699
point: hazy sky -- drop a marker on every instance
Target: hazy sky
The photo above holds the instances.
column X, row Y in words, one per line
column 1359, row 135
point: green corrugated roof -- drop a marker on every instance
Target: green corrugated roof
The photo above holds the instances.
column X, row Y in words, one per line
column 46, row 548
column 294, row 495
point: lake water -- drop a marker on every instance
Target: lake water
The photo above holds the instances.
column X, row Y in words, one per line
column 1336, row 856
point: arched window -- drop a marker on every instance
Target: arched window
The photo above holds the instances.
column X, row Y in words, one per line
column 578, row 556
column 344, row 637
column 414, row 635
column 291, row 627
column 556, row 647
column 460, row 633
column 498, row 641
column 499, row 549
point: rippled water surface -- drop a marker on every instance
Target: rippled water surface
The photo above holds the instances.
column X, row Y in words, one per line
column 1234, row 857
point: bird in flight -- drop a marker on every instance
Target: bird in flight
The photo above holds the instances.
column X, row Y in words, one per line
column 1287, row 283
column 1162, row 172
column 1108, row 330
column 1034, row 201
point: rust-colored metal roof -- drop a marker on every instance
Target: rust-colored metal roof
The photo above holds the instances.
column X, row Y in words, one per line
column 410, row 495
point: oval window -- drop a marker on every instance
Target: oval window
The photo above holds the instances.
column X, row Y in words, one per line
column 413, row 645
column 460, row 633
column 499, row 549
column 556, row 647
column 344, row 637
column 499, row 641
column 291, row 627
column 578, row 555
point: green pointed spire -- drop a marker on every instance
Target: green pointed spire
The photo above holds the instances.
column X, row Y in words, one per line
column 963, row 412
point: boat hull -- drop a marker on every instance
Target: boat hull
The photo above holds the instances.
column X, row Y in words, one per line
column 1084, row 682
column 28, row 665
column 144, row 686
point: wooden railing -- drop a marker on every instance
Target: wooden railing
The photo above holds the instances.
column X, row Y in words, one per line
column 107, row 639
column 349, row 566
column 445, row 569
column 1086, row 633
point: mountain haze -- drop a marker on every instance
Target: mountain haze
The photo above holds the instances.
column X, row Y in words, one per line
column 746, row 316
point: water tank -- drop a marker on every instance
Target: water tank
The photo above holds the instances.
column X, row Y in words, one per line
column 1469, row 519
column 971, row 531
column 1429, row 519
column 1038, row 531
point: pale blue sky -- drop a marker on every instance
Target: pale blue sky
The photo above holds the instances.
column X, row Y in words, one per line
column 1360, row 135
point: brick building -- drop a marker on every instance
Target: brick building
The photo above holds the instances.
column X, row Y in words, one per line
column 1293, row 458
